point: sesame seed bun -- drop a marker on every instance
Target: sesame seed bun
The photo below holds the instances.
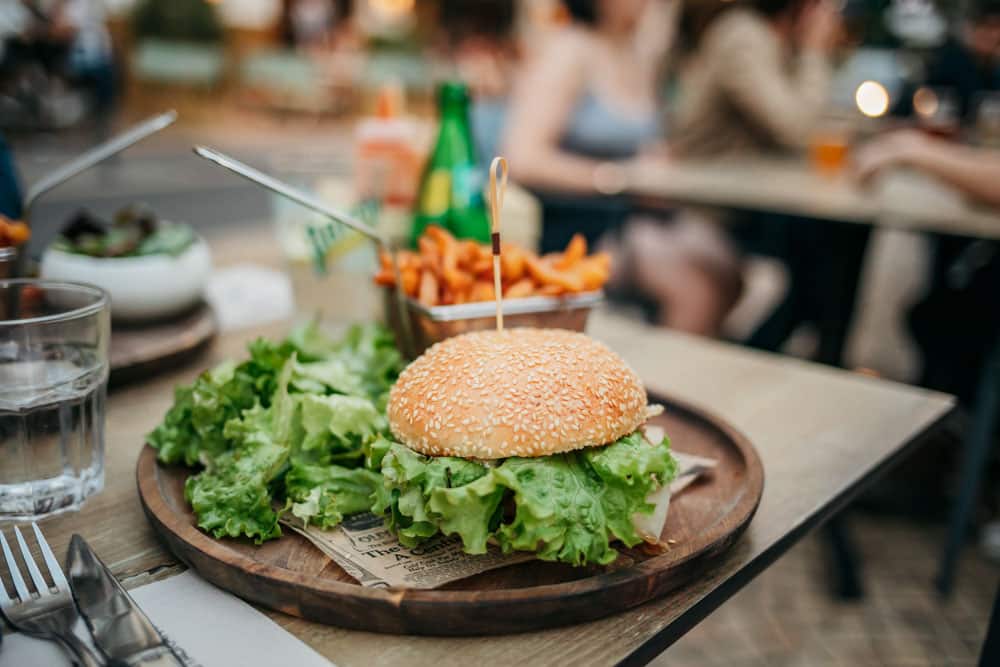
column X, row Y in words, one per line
column 520, row 392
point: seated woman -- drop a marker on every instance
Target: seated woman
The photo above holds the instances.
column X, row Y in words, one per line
column 754, row 78
column 583, row 112
column 585, row 104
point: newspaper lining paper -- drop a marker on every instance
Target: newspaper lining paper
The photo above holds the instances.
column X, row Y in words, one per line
column 370, row 552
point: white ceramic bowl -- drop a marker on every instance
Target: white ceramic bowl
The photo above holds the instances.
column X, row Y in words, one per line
column 141, row 288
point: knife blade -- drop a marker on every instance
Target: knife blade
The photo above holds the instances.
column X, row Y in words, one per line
column 120, row 629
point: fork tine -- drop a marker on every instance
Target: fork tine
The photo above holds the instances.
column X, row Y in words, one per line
column 15, row 573
column 29, row 561
column 50, row 560
column 5, row 600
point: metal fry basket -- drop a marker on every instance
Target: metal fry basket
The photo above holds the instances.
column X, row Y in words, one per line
column 433, row 324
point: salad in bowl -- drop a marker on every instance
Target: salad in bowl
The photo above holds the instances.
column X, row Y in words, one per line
column 151, row 268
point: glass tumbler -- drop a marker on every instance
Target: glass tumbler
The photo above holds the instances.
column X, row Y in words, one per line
column 53, row 380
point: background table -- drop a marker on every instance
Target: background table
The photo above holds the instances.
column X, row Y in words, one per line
column 901, row 199
column 822, row 434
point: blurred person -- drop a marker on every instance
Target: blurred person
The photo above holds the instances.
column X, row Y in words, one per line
column 957, row 322
column 82, row 25
column 478, row 38
column 584, row 113
column 309, row 24
column 586, row 102
column 10, row 189
column 968, row 63
column 755, row 78
column 755, row 75
column 974, row 171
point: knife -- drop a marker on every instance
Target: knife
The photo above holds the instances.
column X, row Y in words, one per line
column 118, row 626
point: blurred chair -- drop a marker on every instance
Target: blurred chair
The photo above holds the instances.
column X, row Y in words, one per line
column 285, row 80
column 179, row 63
column 975, row 456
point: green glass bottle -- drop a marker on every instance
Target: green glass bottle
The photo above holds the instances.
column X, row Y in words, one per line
column 451, row 188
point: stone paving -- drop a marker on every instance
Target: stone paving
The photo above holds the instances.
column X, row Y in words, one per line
column 786, row 617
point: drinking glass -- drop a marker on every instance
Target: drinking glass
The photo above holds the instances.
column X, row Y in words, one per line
column 830, row 144
column 53, row 379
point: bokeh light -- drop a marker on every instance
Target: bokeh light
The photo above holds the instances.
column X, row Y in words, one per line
column 926, row 102
column 872, row 99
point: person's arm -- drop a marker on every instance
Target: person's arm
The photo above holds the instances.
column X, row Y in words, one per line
column 543, row 99
column 784, row 104
column 974, row 171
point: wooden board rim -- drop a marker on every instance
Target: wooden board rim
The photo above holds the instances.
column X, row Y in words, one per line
column 189, row 333
column 409, row 602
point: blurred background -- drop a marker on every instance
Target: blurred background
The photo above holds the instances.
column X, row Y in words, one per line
column 814, row 178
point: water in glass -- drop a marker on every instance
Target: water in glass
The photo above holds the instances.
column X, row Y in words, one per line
column 52, row 392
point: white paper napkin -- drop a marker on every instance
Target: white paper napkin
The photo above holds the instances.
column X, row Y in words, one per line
column 248, row 295
column 211, row 627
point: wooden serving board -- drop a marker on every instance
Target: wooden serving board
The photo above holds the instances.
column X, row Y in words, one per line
column 139, row 350
column 293, row 576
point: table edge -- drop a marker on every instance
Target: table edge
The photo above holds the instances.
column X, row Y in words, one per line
column 669, row 634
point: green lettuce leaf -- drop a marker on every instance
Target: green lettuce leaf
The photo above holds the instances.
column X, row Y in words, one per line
column 570, row 507
column 333, row 429
column 193, row 430
column 567, row 507
column 295, row 423
column 365, row 363
column 368, row 352
column 325, row 482
column 232, row 497
column 323, row 495
column 421, row 496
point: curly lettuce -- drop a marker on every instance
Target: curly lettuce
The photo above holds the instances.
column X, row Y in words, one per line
column 567, row 507
column 231, row 496
column 289, row 426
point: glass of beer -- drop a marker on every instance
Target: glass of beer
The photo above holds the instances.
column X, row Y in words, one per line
column 829, row 149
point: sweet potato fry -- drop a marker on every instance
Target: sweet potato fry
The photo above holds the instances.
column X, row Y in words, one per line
column 468, row 254
column 411, row 281
column 447, row 271
column 593, row 272
column 428, row 294
column 520, row 289
column 550, row 290
column 482, row 291
column 575, row 251
column 457, row 279
column 384, row 277
column 512, row 262
column 484, row 267
column 545, row 274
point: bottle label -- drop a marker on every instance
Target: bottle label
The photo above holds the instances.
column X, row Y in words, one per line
column 467, row 190
column 436, row 196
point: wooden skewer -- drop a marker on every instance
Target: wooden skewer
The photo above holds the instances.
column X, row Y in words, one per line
column 497, row 189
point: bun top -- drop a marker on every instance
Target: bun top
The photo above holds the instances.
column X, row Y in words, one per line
column 519, row 392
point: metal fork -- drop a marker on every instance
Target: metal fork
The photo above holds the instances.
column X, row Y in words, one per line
column 48, row 614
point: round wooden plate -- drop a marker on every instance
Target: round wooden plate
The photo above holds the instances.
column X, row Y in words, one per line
column 291, row 575
column 139, row 350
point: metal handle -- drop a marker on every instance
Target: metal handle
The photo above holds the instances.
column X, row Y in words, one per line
column 161, row 656
column 285, row 190
column 97, row 154
column 78, row 652
column 311, row 202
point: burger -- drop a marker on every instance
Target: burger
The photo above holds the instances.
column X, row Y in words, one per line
column 532, row 439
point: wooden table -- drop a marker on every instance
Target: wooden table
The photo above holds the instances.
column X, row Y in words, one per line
column 823, row 435
column 900, row 199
